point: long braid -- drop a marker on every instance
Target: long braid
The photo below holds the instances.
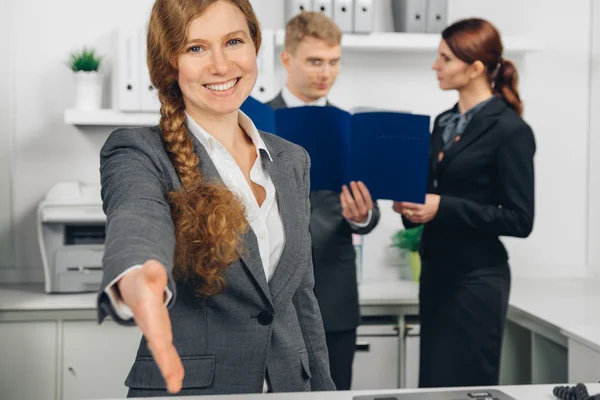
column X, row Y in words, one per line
column 177, row 142
column 209, row 218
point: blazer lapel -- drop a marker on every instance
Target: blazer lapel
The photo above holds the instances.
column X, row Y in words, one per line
column 482, row 121
column 251, row 254
column 278, row 102
column 436, row 147
column 289, row 202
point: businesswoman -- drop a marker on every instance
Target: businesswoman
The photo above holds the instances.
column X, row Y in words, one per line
column 481, row 187
column 208, row 246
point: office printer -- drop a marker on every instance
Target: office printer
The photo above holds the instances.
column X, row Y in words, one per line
column 71, row 234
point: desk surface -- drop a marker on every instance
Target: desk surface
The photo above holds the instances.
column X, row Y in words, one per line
column 571, row 306
column 33, row 297
column 524, row 392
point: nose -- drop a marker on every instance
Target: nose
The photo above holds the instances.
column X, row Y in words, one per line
column 436, row 65
column 326, row 70
column 220, row 63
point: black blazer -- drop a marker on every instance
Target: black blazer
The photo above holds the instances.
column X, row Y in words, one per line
column 486, row 187
column 334, row 257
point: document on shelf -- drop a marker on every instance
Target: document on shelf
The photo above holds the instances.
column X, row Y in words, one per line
column 388, row 151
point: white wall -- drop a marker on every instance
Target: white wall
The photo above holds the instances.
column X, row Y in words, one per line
column 555, row 88
column 594, row 147
column 46, row 150
column 6, row 238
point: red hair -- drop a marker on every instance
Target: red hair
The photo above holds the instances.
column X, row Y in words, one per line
column 476, row 39
column 209, row 219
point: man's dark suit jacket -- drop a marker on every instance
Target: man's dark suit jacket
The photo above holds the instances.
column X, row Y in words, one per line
column 334, row 257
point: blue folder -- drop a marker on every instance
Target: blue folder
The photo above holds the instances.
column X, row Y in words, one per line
column 388, row 151
column 261, row 114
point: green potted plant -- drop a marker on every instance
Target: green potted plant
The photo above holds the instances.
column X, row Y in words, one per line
column 85, row 64
column 409, row 240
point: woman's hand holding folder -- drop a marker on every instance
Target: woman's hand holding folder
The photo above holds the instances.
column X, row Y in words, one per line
column 419, row 213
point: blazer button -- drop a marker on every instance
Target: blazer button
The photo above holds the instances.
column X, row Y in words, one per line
column 265, row 318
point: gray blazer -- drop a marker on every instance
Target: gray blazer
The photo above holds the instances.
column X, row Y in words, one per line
column 334, row 257
column 229, row 342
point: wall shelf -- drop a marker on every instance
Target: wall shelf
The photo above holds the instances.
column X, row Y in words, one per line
column 386, row 42
column 109, row 117
column 411, row 42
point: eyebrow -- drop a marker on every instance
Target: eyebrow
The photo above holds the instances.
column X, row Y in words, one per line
column 227, row 36
column 322, row 59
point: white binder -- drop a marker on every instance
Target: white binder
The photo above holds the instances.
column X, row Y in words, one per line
column 364, row 16
column 437, row 16
column 410, row 15
column 264, row 89
column 294, row 7
column 125, row 70
column 148, row 95
column 324, row 6
column 343, row 15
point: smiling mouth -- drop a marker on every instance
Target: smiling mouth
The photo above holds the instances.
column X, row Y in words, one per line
column 222, row 87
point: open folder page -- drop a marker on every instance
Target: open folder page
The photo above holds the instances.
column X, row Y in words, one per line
column 388, row 151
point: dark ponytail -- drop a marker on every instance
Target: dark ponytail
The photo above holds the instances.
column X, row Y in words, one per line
column 506, row 85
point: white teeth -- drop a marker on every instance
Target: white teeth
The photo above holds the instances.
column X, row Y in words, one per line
column 222, row 87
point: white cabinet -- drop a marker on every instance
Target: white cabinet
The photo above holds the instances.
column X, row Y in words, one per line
column 584, row 363
column 549, row 360
column 28, row 359
column 375, row 363
column 97, row 359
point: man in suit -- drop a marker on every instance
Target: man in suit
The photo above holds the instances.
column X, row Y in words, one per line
column 311, row 58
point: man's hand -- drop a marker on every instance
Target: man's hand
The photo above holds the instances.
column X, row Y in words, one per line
column 356, row 205
column 143, row 290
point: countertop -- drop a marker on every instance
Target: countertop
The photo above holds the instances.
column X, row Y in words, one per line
column 33, row 298
column 524, row 392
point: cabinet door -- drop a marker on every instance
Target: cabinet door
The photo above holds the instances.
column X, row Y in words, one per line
column 376, row 360
column 97, row 359
column 584, row 363
column 28, row 360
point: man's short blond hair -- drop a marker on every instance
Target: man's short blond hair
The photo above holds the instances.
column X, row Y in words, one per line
column 311, row 24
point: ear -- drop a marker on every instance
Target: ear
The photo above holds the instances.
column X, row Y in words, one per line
column 286, row 59
column 476, row 69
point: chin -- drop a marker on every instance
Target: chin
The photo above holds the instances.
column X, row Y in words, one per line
column 226, row 109
column 228, row 105
column 320, row 93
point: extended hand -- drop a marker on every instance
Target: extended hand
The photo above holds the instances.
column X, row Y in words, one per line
column 356, row 206
column 419, row 213
column 143, row 290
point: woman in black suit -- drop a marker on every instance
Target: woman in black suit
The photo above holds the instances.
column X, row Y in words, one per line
column 481, row 187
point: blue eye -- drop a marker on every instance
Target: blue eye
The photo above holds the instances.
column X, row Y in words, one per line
column 195, row 49
column 233, row 42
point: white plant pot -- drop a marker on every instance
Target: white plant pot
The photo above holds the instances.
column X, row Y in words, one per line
column 88, row 90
